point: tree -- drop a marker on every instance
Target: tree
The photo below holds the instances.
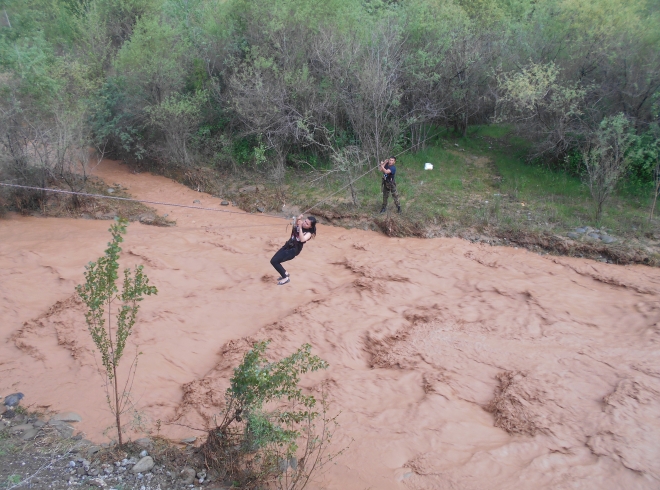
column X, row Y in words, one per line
column 605, row 158
column 547, row 109
column 44, row 108
column 274, row 88
column 367, row 78
column 178, row 116
column 154, row 61
column 349, row 161
column 100, row 293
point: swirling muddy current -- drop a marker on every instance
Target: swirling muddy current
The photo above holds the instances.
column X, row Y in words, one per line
column 452, row 365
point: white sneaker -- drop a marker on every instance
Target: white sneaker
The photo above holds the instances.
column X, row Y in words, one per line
column 283, row 281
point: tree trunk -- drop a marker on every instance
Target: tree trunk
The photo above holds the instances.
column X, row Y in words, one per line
column 117, row 408
column 655, row 198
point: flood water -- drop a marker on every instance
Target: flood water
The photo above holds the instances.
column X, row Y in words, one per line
column 454, row 365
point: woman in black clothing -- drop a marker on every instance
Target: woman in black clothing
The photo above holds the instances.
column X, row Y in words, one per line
column 304, row 231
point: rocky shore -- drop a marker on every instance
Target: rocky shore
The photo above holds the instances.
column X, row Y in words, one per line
column 43, row 451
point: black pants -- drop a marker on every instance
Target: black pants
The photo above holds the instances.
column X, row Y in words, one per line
column 283, row 254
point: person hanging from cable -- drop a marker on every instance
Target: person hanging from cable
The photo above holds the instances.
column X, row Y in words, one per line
column 303, row 231
column 388, row 167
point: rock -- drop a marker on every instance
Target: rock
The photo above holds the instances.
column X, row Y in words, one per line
column 92, row 450
column 9, row 414
column 110, row 215
column 110, row 190
column 97, row 482
column 224, row 203
column 580, row 230
column 93, row 472
column 197, row 201
column 607, row 239
column 293, row 463
column 144, row 442
column 17, row 429
column 215, row 475
column 188, row 440
column 573, row 235
column 86, row 216
column 144, row 465
column 593, row 235
column 261, row 210
column 187, row 476
column 147, row 218
column 65, row 430
column 67, row 417
column 14, row 399
column 29, row 434
column 249, row 188
column 165, row 215
column 144, row 454
column 3, row 409
column 39, row 423
column 80, row 471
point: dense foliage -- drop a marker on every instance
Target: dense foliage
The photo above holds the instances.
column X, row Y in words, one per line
column 278, row 82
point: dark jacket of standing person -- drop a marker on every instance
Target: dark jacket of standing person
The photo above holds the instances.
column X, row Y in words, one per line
column 388, row 167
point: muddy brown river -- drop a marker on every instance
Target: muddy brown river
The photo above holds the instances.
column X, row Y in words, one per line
column 454, row 365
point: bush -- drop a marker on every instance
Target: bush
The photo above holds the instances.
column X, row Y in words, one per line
column 271, row 433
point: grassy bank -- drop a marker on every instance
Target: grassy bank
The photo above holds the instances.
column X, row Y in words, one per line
column 481, row 188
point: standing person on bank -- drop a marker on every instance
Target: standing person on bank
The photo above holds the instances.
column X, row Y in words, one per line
column 388, row 167
column 303, row 231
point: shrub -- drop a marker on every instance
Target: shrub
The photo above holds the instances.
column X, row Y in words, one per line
column 99, row 293
column 270, row 431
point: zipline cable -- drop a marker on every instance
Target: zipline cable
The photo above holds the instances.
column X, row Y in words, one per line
column 100, row 196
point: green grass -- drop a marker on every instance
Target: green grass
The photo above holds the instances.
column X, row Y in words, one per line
column 554, row 197
column 13, row 480
column 482, row 181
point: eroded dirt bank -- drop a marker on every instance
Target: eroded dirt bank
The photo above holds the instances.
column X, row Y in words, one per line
column 455, row 365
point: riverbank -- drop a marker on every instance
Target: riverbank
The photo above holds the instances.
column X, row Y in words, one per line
column 39, row 450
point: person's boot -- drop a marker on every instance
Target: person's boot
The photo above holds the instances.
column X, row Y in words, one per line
column 383, row 209
column 398, row 209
